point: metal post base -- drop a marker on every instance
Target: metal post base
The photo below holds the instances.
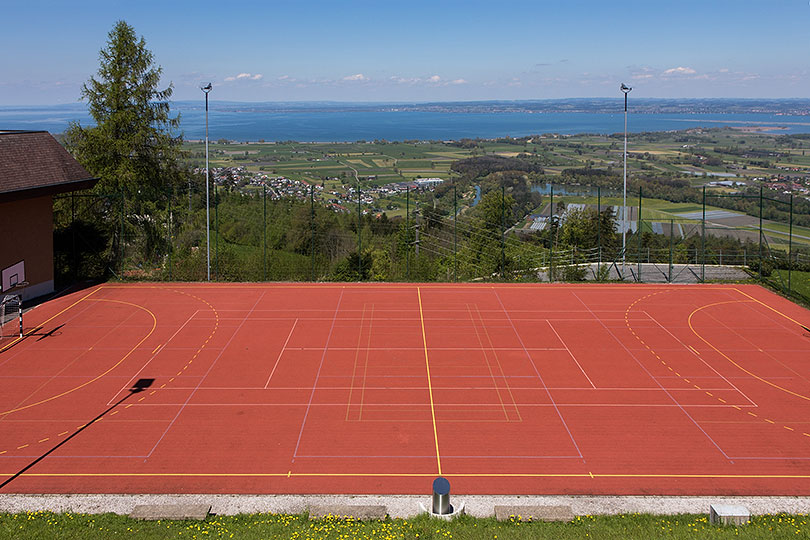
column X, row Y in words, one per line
column 457, row 511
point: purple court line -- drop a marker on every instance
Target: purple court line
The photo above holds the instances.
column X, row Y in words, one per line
column 692, row 351
column 489, row 367
column 69, row 364
column 764, row 351
column 461, row 406
column 652, row 378
column 574, row 358
column 281, row 353
column 191, row 395
column 128, row 384
column 365, row 369
column 400, row 456
column 539, row 377
column 50, row 458
column 318, row 374
column 421, row 349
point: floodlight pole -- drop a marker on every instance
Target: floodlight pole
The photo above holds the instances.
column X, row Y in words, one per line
column 625, row 90
column 206, row 88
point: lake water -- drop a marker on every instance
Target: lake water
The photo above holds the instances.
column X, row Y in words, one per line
column 251, row 125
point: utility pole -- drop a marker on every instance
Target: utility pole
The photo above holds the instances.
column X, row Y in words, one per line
column 626, row 90
column 206, row 88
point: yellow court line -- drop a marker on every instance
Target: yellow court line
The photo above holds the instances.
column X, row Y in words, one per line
column 721, row 353
column 97, row 377
column 430, row 386
column 769, row 307
column 290, row 474
column 46, row 321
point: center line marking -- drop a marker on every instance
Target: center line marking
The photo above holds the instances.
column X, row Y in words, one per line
column 430, row 386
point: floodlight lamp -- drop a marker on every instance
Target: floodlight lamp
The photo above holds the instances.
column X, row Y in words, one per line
column 625, row 88
column 206, row 87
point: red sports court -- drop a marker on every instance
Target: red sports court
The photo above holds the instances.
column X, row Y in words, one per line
column 379, row 388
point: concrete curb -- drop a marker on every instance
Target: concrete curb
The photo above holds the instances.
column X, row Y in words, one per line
column 400, row 506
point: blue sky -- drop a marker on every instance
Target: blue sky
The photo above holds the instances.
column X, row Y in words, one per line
column 418, row 50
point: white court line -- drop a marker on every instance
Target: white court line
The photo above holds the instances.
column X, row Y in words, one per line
column 281, row 352
column 781, row 320
column 318, row 374
column 128, row 384
column 764, row 351
column 574, row 358
column 191, row 394
column 699, row 357
column 70, row 363
column 650, row 375
column 18, row 351
column 539, row 377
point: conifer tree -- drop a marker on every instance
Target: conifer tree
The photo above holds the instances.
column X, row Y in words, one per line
column 132, row 147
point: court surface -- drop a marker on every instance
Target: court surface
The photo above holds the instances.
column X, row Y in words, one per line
column 379, row 388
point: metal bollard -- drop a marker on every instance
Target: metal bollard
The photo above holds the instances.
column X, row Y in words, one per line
column 441, row 496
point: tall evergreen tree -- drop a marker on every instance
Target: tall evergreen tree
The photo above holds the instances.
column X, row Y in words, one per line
column 131, row 147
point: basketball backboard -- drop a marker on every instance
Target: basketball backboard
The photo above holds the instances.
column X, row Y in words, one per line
column 13, row 276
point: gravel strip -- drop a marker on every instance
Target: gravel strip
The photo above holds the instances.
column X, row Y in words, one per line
column 401, row 506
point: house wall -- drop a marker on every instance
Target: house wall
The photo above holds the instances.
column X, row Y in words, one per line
column 26, row 233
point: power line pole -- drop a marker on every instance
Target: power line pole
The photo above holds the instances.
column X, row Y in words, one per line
column 206, row 88
column 625, row 90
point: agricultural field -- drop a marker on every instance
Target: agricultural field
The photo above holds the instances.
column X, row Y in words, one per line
column 725, row 162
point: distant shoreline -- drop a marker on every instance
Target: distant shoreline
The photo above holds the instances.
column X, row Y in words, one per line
column 330, row 123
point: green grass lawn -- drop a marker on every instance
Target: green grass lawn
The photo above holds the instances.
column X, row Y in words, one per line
column 38, row 525
column 799, row 281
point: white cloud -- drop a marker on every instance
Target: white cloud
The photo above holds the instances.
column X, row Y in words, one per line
column 680, row 71
column 245, row 76
column 458, row 81
column 356, row 77
column 434, row 79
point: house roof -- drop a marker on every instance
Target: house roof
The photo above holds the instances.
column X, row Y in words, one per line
column 34, row 164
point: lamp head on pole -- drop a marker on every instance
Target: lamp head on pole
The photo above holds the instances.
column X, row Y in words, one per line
column 206, row 87
column 624, row 88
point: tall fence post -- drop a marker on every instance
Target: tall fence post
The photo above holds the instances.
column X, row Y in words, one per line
column 169, row 227
column 359, row 235
column 503, row 232
column 264, row 232
column 407, row 233
column 455, row 244
column 760, row 232
column 703, row 241
column 216, row 231
column 121, row 241
column 75, row 265
column 671, row 247
column 550, row 235
column 312, row 233
column 638, row 232
column 599, row 222
column 790, row 245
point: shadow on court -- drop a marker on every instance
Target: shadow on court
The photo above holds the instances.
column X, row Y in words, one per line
column 139, row 386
